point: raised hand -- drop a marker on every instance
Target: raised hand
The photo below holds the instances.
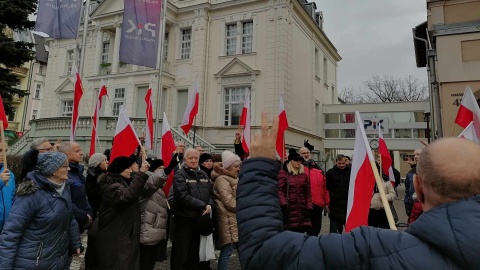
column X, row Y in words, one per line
column 263, row 144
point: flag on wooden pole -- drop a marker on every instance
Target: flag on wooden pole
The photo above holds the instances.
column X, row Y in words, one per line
column 245, row 123
column 149, row 120
column 386, row 159
column 98, row 106
column 191, row 111
column 167, row 148
column 3, row 115
column 282, row 127
column 467, row 108
column 77, row 96
column 126, row 140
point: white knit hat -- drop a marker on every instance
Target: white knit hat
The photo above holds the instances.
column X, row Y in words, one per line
column 228, row 158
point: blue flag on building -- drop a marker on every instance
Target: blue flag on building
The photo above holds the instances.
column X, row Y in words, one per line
column 58, row 18
column 140, row 33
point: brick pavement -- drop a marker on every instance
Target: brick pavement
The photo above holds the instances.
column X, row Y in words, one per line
column 234, row 262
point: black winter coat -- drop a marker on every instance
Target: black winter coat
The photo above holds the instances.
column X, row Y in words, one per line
column 193, row 191
column 91, row 186
column 444, row 237
column 338, row 182
column 118, row 238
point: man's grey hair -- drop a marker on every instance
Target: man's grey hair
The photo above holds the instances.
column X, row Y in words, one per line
column 66, row 147
column 179, row 142
column 190, row 151
column 37, row 142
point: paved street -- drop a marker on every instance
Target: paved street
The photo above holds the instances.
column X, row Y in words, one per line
column 234, row 262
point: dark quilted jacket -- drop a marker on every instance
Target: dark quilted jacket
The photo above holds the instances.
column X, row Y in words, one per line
column 41, row 229
column 299, row 199
column 445, row 237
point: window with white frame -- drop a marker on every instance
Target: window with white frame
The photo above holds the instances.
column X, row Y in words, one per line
column 79, row 56
column 34, row 114
column 234, row 100
column 165, row 47
column 317, row 66
column 231, row 39
column 67, row 108
column 12, row 114
column 38, row 88
column 70, row 61
column 118, row 100
column 186, row 43
column 105, row 52
column 325, row 70
column 41, row 69
column 239, row 37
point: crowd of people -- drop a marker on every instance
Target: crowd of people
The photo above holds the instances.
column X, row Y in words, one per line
column 129, row 214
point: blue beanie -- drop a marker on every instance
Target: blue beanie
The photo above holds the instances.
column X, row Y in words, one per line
column 49, row 162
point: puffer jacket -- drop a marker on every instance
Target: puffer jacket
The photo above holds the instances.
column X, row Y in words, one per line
column 153, row 205
column 299, row 201
column 225, row 189
column 7, row 192
column 442, row 238
column 376, row 202
column 193, row 191
column 79, row 195
column 40, row 230
column 338, row 182
column 318, row 187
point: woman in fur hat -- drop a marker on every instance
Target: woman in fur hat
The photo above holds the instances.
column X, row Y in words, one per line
column 118, row 237
column 225, row 177
column 41, row 231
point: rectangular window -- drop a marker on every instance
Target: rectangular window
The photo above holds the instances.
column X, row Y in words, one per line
column 79, row 56
column 34, row 114
column 70, row 61
column 186, row 43
column 233, row 104
column 231, row 39
column 38, row 88
column 105, row 52
column 118, row 100
column 317, row 66
column 11, row 116
column 67, row 108
column 165, row 47
column 41, row 69
column 325, row 70
column 247, row 37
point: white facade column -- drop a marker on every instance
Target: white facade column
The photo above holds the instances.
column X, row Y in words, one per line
column 116, row 48
column 98, row 52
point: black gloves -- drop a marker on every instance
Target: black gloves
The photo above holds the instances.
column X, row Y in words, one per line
column 172, row 165
column 308, row 145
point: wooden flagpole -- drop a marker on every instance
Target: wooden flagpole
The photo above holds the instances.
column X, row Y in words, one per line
column 383, row 197
column 4, row 151
column 453, row 129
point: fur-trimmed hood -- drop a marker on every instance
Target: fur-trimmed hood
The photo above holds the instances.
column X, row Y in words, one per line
column 35, row 181
column 218, row 170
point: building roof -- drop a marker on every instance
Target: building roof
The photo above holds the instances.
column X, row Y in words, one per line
column 41, row 53
column 420, row 31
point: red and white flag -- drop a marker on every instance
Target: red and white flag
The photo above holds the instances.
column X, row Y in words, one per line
column 126, row 140
column 467, row 109
column 98, row 106
column 385, row 157
column 469, row 133
column 76, row 102
column 362, row 180
column 149, row 120
column 167, row 148
column 191, row 110
column 282, row 127
column 245, row 123
column 3, row 115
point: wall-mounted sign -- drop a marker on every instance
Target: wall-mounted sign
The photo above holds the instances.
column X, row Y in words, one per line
column 371, row 125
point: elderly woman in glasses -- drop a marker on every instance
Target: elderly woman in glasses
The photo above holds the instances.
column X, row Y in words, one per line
column 40, row 231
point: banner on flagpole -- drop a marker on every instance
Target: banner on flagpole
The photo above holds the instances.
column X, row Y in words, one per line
column 58, row 18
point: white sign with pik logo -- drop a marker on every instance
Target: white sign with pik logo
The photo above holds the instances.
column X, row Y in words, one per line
column 371, row 124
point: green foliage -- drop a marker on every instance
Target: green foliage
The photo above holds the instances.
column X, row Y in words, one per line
column 13, row 16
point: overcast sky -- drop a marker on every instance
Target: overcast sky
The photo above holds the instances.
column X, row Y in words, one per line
column 373, row 37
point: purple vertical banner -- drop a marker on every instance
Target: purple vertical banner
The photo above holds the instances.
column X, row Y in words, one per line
column 58, row 18
column 140, row 32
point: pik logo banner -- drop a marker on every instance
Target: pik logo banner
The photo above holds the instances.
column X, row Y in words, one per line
column 59, row 18
column 140, row 32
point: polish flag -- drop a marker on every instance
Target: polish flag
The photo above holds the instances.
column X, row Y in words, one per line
column 149, row 120
column 3, row 115
column 362, row 180
column 469, row 133
column 167, row 148
column 282, row 127
column 98, row 107
column 191, row 110
column 468, row 107
column 125, row 141
column 385, row 157
column 245, row 123
column 76, row 102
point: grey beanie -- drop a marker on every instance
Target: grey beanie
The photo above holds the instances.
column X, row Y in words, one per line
column 96, row 159
column 49, row 162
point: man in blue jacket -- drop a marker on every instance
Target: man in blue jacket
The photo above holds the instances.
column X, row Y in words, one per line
column 445, row 236
column 81, row 208
column 7, row 188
